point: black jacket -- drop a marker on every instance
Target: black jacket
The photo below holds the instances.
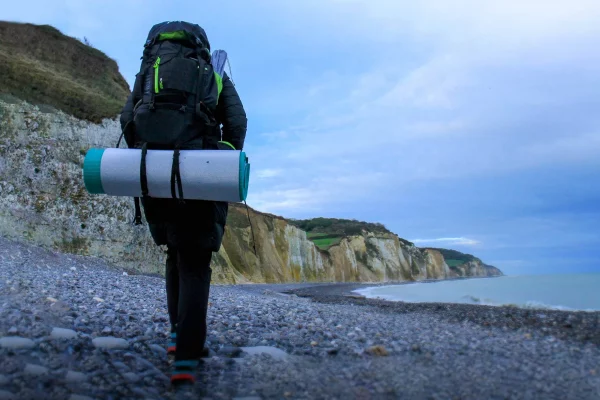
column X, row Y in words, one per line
column 195, row 223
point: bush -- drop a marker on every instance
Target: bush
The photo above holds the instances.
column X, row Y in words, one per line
column 455, row 258
column 338, row 227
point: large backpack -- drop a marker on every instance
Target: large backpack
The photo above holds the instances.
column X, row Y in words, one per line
column 177, row 88
column 176, row 91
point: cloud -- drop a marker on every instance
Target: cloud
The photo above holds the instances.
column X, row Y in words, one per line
column 268, row 173
column 279, row 135
column 282, row 200
column 458, row 241
column 480, row 104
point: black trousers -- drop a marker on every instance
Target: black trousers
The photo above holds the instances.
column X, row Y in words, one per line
column 188, row 275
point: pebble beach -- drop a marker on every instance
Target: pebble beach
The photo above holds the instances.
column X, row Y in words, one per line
column 76, row 328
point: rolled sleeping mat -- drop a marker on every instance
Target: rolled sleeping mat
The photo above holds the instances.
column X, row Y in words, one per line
column 215, row 175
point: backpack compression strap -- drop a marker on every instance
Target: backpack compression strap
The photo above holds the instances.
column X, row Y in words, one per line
column 144, row 184
column 176, row 176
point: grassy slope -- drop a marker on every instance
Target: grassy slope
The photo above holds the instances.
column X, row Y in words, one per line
column 455, row 258
column 326, row 232
column 42, row 66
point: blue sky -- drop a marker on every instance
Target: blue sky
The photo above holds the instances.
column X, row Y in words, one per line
column 466, row 124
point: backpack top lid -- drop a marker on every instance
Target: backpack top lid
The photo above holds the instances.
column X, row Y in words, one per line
column 178, row 30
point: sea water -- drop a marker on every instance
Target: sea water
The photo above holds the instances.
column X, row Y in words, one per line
column 561, row 292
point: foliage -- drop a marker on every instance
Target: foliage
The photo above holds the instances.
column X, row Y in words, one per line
column 325, row 243
column 337, row 227
column 454, row 263
column 40, row 65
column 455, row 258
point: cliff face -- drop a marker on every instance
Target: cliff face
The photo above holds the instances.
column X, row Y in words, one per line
column 43, row 200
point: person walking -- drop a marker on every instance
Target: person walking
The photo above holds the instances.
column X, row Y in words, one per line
column 180, row 101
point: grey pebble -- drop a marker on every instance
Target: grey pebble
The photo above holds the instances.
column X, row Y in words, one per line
column 15, row 342
column 131, row 377
column 6, row 395
column 158, row 349
column 119, row 365
column 33, row 369
column 145, row 363
column 74, row 377
column 3, row 380
column 230, row 351
column 109, row 342
column 13, row 330
column 62, row 333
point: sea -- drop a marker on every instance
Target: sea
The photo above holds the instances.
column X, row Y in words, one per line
column 569, row 292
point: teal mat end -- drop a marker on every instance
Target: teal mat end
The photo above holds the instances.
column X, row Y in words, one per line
column 91, row 171
column 244, row 176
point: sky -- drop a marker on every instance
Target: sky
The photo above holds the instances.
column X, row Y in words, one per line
column 465, row 124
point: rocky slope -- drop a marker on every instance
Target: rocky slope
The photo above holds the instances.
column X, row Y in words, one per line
column 42, row 199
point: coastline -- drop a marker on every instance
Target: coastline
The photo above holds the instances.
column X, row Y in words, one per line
column 291, row 341
column 580, row 326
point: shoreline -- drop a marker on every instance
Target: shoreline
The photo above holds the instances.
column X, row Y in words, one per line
column 580, row 326
column 76, row 326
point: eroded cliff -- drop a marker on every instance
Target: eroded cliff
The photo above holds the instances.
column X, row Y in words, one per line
column 43, row 200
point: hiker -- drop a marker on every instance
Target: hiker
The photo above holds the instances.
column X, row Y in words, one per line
column 180, row 101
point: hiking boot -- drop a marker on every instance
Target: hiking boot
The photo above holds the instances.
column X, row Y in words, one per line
column 184, row 373
column 172, row 346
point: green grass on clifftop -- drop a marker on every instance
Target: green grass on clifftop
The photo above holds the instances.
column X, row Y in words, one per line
column 323, row 240
column 327, row 232
column 42, row 66
column 340, row 227
column 455, row 258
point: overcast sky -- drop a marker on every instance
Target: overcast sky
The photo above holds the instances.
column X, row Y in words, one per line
column 470, row 124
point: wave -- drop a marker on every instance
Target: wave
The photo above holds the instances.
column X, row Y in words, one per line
column 470, row 299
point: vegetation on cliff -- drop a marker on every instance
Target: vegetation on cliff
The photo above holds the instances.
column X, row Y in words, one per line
column 334, row 226
column 455, row 258
column 41, row 65
column 326, row 232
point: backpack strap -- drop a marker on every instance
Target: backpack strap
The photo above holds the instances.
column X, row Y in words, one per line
column 176, row 176
column 144, row 185
column 143, row 177
column 138, row 211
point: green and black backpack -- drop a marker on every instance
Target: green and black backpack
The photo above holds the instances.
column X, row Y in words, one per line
column 177, row 88
column 175, row 93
